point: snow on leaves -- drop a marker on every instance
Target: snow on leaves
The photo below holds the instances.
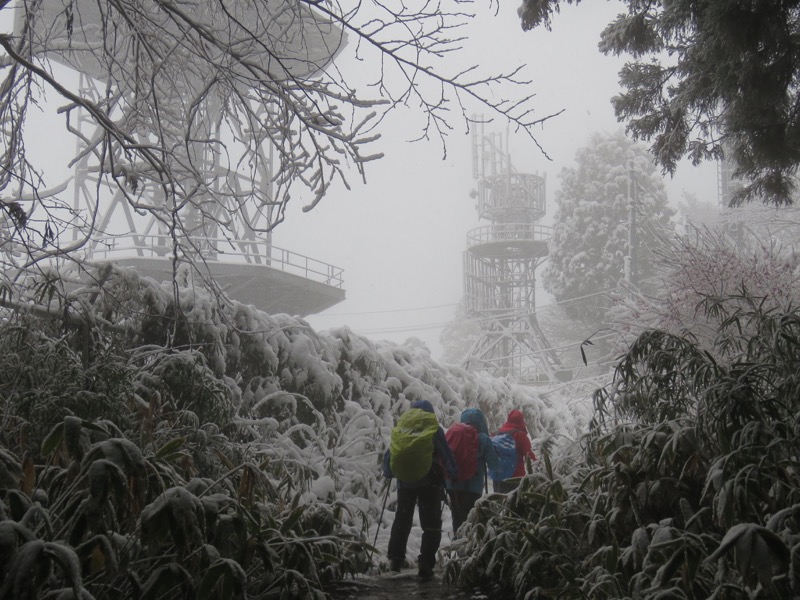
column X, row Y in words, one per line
column 233, row 451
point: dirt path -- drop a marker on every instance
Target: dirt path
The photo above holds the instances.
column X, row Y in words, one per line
column 399, row 587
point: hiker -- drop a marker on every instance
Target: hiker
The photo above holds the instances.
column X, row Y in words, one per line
column 512, row 446
column 473, row 450
column 420, row 470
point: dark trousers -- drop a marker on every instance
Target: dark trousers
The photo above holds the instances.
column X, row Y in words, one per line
column 461, row 502
column 429, row 499
column 503, row 487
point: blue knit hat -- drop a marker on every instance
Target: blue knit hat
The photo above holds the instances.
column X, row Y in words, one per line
column 423, row 405
column 476, row 418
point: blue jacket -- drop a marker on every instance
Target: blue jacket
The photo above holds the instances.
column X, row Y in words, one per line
column 486, row 453
column 442, row 458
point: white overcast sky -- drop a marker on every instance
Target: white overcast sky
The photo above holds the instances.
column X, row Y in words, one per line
column 400, row 238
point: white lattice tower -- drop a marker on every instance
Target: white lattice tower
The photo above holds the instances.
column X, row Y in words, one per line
column 121, row 228
column 500, row 267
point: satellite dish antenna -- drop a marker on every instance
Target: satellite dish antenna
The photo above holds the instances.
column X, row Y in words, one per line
column 160, row 75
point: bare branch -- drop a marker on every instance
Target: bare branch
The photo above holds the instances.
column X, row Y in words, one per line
column 210, row 116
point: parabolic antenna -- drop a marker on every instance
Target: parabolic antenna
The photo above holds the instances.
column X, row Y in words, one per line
column 172, row 68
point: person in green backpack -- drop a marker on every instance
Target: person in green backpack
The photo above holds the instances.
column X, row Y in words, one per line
column 418, row 458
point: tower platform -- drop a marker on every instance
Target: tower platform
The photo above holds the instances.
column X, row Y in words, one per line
column 515, row 240
column 274, row 281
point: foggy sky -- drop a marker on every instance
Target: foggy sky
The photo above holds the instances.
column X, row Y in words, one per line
column 400, row 237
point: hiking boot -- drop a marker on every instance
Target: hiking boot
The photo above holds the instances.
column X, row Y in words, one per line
column 396, row 565
column 425, row 573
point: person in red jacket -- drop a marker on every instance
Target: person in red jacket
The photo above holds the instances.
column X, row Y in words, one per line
column 515, row 424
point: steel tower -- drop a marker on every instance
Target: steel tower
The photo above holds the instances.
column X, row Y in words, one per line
column 500, row 266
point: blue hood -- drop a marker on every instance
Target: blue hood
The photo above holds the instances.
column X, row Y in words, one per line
column 476, row 418
column 423, row 405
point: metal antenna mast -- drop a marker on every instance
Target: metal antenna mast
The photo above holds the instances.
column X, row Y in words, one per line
column 500, row 266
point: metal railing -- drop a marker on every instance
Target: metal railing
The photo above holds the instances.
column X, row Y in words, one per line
column 507, row 232
column 223, row 251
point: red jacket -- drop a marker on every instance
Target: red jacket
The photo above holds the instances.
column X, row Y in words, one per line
column 516, row 425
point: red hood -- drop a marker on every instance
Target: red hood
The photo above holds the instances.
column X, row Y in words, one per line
column 516, row 420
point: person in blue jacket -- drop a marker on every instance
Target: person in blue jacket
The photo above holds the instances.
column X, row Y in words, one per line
column 464, row 494
column 427, row 494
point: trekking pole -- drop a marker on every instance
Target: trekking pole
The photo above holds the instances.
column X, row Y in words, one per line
column 380, row 520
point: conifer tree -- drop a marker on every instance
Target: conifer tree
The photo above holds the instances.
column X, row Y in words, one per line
column 592, row 231
column 709, row 79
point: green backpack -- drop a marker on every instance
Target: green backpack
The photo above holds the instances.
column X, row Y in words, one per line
column 411, row 446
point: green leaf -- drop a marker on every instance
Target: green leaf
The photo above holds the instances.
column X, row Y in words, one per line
column 176, row 457
column 292, row 519
column 210, row 579
column 730, row 539
column 668, row 570
column 170, row 447
column 612, row 558
column 53, row 439
column 548, row 466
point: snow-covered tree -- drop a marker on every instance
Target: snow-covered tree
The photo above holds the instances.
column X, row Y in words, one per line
column 613, row 188
column 708, row 77
column 705, row 264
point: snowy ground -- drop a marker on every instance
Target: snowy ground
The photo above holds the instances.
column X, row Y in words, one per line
column 383, row 585
column 401, row 586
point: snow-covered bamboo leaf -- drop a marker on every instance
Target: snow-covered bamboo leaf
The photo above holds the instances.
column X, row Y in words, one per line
column 99, row 553
column 730, row 540
column 53, row 439
column 170, row 447
column 225, row 577
column 66, row 558
column 168, row 580
column 667, row 571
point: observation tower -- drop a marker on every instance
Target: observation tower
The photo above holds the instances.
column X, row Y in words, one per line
column 500, row 266
column 123, row 212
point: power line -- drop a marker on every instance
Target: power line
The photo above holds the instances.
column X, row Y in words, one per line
column 404, row 328
column 428, row 326
column 398, row 310
column 394, row 310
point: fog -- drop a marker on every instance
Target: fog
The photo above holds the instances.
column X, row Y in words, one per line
column 400, row 237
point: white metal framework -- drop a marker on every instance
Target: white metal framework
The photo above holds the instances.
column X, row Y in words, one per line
column 130, row 226
column 500, row 266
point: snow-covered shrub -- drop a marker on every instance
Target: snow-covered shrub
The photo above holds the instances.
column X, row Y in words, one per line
column 45, row 379
column 170, row 441
column 703, row 265
column 688, row 487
